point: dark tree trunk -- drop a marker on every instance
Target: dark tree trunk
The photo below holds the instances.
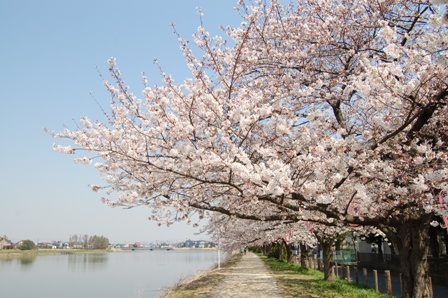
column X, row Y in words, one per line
column 303, row 255
column 379, row 243
column 268, row 248
column 393, row 251
column 434, row 242
column 338, row 244
column 412, row 239
column 288, row 252
column 280, row 244
column 445, row 232
column 355, row 248
column 327, row 251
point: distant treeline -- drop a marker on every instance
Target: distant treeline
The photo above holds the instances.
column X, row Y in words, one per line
column 86, row 241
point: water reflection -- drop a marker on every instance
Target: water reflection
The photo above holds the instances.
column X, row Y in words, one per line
column 23, row 263
column 6, row 259
column 87, row 262
column 27, row 260
column 121, row 274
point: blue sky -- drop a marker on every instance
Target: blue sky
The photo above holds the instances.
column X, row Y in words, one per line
column 48, row 53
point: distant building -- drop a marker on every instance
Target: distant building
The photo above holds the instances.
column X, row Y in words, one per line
column 6, row 244
column 189, row 244
column 44, row 245
column 196, row 244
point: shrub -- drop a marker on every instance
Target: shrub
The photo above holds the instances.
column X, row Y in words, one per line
column 27, row 245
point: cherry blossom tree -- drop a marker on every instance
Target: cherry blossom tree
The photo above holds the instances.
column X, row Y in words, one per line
column 374, row 75
column 327, row 235
column 322, row 111
column 235, row 232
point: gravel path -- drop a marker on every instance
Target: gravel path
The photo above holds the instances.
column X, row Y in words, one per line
column 248, row 278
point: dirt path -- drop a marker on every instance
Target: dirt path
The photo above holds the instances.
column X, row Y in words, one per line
column 248, row 278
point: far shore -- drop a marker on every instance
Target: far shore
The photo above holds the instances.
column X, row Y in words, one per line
column 12, row 253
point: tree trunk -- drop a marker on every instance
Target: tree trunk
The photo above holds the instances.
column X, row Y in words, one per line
column 434, row 242
column 338, row 244
column 303, row 255
column 379, row 243
column 412, row 240
column 355, row 248
column 393, row 251
column 327, row 251
column 445, row 232
column 268, row 248
column 280, row 245
column 288, row 252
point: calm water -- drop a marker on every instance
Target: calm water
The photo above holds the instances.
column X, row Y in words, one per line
column 131, row 274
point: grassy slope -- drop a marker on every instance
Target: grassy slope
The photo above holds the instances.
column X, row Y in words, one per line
column 203, row 285
column 296, row 281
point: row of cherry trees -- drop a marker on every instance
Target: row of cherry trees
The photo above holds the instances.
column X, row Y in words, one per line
column 331, row 113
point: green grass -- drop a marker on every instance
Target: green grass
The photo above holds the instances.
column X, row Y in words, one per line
column 304, row 282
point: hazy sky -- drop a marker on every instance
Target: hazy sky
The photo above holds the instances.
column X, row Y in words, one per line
column 48, row 53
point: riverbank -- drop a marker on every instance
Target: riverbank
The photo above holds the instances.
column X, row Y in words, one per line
column 243, row 276
column 203, row 284
column 15, row 253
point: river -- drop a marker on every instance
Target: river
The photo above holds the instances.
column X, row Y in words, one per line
column 129, row 274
